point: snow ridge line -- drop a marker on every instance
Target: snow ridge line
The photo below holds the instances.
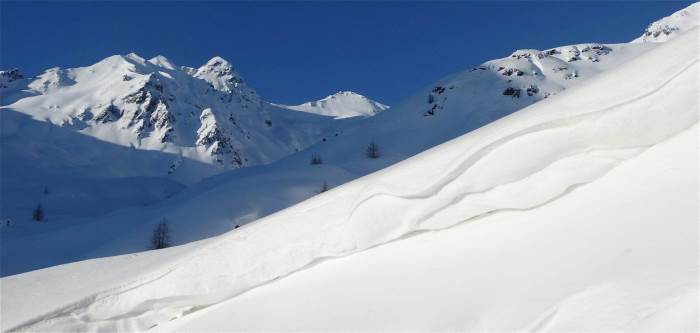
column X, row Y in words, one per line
column 433, row 189
column 479, row 154
column 86, row 302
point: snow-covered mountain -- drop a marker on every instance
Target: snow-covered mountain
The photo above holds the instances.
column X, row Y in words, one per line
column 129, row 131
column 575, row 213
column 343, row 104
column 206, row 114
column 672, row 26
column 440, row 112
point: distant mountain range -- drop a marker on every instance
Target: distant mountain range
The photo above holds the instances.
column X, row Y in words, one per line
column 207, row 114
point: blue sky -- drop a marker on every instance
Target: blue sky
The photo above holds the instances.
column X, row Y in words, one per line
column 291, row 52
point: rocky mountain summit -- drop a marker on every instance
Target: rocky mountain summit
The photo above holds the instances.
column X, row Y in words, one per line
column 208, row 114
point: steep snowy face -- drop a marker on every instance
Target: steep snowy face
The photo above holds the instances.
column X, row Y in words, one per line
column 671, row 26
column 156, row 105
column 343, row 104
column 222, row 77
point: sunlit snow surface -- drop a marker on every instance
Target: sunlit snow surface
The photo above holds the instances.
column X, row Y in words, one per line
column 580, row 212
column 342, row 104
column 442, row 111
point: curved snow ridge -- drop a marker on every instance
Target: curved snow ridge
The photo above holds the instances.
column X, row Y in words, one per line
column 520, row 162
column 580, row 134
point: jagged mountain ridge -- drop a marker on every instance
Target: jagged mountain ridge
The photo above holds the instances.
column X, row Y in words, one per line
column 207, row 114
column 343, row 104
column 671, row 26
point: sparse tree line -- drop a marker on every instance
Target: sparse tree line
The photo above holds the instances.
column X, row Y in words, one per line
column 160, row 237
column 372, row 151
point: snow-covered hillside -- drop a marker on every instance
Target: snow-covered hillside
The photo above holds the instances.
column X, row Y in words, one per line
column 672, row 26
column 442, row 111
column 605, row 237
column 343, row 104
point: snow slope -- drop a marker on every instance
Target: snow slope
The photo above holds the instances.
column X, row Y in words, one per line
column 561, row 267
column 343, row 104
column 571, row 153
column 671, row 26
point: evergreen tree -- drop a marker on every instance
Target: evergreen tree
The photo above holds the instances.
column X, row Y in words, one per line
column 160, row 238
column 38, row 213
column 373, row 150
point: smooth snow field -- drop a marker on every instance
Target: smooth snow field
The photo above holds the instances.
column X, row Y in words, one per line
column 579, row 212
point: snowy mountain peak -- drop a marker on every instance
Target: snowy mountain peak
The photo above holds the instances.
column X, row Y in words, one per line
column 162, row 61
column 343, row 104
column 221, row 75
column 219, row 62
column 207, row 115
column 135, row 57
column 52, row 79
column 671, row 26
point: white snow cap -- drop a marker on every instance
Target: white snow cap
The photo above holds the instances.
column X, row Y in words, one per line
column 135, row 57
column 162, row 61
column 343, row 104
column 218, row 62
column 671, row 26
column 220, row 73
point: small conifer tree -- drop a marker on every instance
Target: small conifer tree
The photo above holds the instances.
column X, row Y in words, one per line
column 38, row 213
column 373, row 150
column 160, row 238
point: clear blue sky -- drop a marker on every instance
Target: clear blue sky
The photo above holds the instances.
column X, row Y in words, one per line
column 291, row 52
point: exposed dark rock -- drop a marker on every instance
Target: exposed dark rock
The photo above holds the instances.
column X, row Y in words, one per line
column 108, row 114
column 532, row 90
column 513, row 92
column 511, row 71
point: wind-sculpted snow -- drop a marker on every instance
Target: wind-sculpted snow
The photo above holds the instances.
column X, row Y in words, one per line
column 523, row 161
